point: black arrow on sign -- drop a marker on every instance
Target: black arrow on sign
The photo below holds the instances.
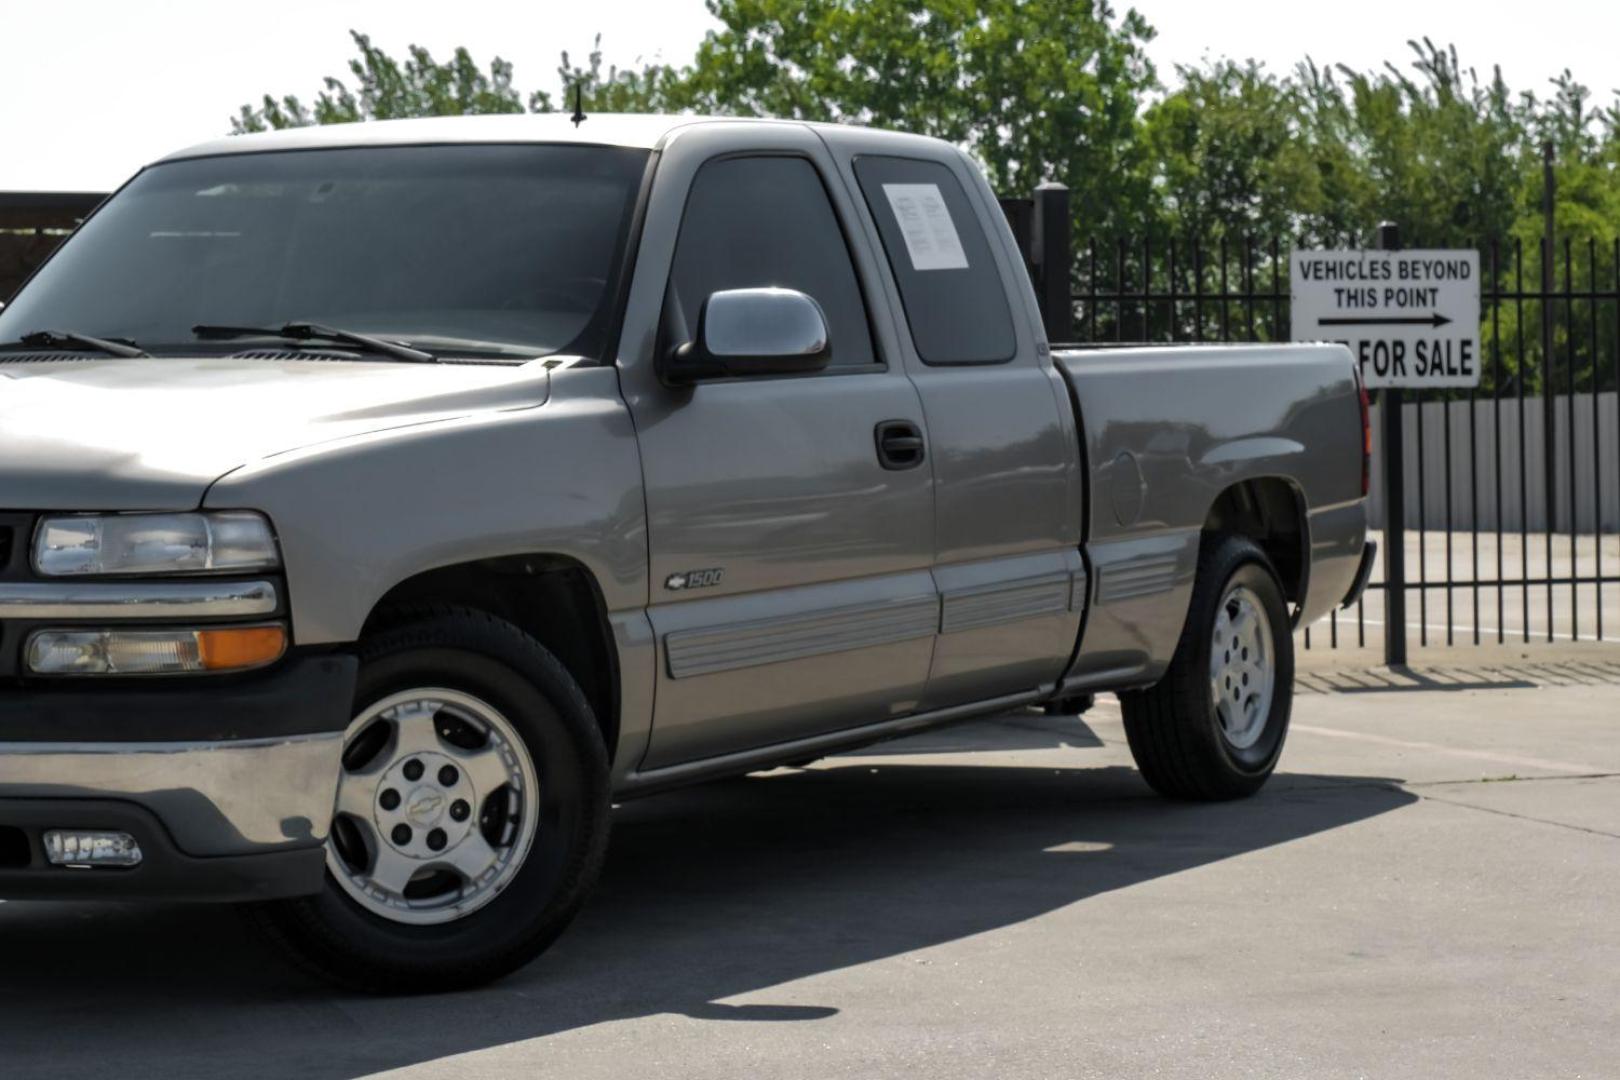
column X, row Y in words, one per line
column 1436, row 319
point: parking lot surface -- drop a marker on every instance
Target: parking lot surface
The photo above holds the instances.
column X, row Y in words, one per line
column 1429, row 887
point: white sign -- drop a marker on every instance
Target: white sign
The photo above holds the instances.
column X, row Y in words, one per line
column 926, row 223
column 1410, row 318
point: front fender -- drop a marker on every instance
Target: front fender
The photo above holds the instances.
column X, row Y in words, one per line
column 358, row 516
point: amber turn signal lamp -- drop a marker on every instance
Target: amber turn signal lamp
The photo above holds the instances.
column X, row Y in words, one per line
column 233, row 648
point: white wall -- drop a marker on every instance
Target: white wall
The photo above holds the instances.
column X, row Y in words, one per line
column 1473, row 502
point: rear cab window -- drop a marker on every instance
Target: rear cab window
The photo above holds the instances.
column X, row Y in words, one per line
column 950, row 287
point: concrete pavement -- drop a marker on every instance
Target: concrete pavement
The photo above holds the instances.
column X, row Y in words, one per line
column 1429, row 888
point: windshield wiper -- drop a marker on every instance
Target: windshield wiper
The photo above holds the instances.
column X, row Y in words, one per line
column 316, row 332
column 67, row 339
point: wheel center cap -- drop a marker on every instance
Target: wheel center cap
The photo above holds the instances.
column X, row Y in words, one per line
column 425, row 806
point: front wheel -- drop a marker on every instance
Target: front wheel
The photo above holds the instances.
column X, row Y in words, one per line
column 471, row 814
column 1213, row 727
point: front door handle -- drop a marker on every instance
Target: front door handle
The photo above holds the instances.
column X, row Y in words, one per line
column 900, row 444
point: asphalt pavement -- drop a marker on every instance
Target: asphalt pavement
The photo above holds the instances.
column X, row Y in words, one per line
column 1429, row 888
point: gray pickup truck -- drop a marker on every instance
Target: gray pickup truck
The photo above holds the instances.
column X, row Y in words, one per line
column 380, row 504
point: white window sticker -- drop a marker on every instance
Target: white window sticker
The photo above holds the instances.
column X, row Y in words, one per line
column 925, row 222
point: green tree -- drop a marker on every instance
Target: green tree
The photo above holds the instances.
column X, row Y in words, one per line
column 389, row 89
column 1061, row 90
column 385, row 88
column 1443, row 149
column 653, row 88
column 1035, row 89
column 1586, row 225
column 1586, row 156
column 1230, row 158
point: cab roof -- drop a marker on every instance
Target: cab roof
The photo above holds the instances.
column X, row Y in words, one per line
column 600, row 129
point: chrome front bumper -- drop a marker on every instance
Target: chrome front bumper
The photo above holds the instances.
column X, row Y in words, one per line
column 227, row 783
column 241, row 797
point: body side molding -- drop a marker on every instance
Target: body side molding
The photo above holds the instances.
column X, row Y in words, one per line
column 794, row 637
column 1144, row 575
column 1002, row 602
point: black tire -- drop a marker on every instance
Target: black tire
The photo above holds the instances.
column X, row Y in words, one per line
column 1174, row 730
column 331, row 935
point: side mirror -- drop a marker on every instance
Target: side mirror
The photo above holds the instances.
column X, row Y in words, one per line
column 744, row 332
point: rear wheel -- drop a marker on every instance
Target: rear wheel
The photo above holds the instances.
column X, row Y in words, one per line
column 471, row 814
column 1214, row 726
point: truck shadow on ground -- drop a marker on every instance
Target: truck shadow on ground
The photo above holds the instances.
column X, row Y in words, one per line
column 1485, row 673
column 711, row 893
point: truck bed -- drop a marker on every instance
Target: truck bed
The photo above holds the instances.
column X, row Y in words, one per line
column 1165, row 431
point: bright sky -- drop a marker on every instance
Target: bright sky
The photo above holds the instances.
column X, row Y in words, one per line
column 92, row 89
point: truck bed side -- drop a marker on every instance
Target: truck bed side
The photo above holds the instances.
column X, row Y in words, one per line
column 1166, row 431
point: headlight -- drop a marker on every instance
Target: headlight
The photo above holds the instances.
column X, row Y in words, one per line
column 237, row 541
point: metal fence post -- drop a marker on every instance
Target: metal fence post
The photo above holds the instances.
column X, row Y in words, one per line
column 1549, row 430
column 1053, row 256
column 1389, row 239
column 1019, row 213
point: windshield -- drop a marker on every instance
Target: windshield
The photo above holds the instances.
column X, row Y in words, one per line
column 479, row 249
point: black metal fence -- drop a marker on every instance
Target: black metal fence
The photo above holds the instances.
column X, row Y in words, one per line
column 1500, row 505
column 32, row 223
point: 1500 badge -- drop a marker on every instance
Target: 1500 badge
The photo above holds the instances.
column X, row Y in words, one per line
column 695, row 579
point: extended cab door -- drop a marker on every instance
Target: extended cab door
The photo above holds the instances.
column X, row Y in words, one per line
column 1005, row 451
column 790, row 562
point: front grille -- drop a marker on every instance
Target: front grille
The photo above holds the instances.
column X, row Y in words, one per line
column 16, row 532
column 14, row 848
column 13, row 544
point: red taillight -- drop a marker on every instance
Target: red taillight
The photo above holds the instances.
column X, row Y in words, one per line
column 1366, row 433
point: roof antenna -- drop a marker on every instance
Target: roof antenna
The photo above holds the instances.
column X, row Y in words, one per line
column 579, row 116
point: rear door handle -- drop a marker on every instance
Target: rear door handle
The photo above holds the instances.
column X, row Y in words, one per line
column 900, row 444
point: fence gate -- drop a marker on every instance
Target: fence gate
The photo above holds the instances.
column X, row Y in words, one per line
column 1510, row 493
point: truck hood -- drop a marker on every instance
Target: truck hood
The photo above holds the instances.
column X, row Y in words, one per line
column 154, row 434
